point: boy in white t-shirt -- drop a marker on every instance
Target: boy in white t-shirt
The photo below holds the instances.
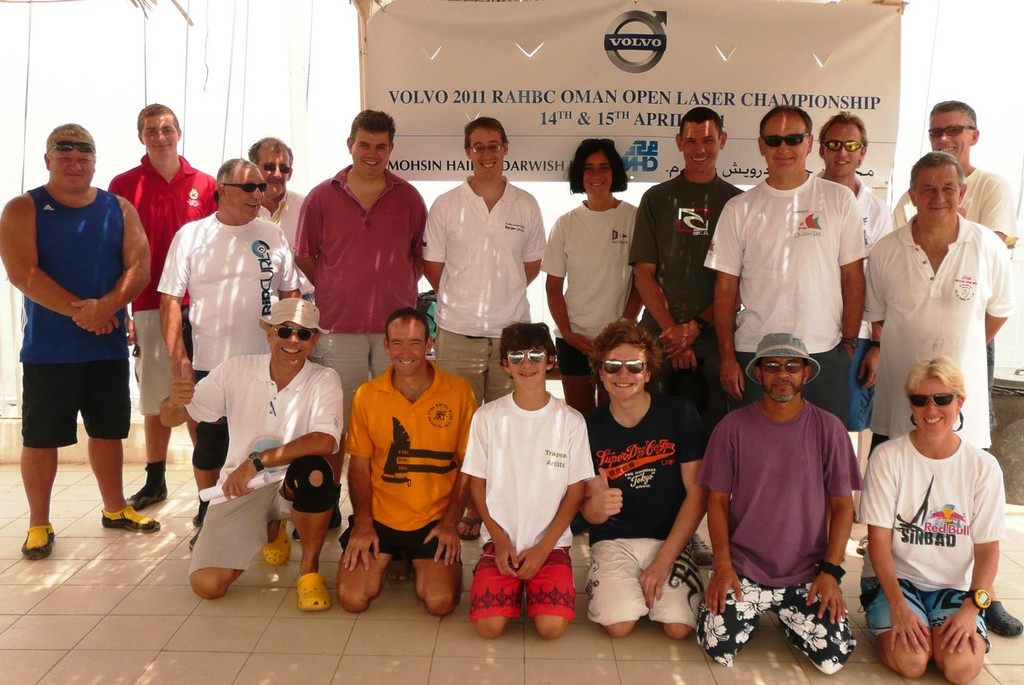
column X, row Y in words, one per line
column 528, row 457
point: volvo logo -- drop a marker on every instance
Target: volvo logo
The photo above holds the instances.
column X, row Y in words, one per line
column 630, row 47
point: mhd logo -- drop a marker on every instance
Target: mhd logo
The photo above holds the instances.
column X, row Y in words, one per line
column 642, row 155
column 636, row 40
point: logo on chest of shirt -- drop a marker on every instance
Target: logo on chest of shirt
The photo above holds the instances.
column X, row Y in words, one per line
column 635, row 456
column 262, row 252
column 693, row 220
column 556, row 459
column 933, row 527
column 440, row 415
column 641, row 478
column 519, row 228
column 403, row 459
column 618, row 237
column 809, row 224
column 964, row 287
column 193, row 198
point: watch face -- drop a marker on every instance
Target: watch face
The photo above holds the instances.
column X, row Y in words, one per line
column 982, row 599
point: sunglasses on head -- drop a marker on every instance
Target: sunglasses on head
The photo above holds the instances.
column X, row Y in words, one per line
column 792, row 140
column 775, row 367
column 285, row 332
column 941, row 399
column 270, row 166
column 68, row 146
column 535, row 356
column 632, row 365
column 850, row 145
column 247, row 187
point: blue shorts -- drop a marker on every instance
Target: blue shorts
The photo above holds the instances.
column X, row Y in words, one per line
column 931, row 606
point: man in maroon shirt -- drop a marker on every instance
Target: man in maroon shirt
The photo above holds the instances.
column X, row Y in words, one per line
column 168, row 193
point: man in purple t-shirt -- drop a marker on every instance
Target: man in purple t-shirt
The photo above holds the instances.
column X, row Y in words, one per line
column 780, row 475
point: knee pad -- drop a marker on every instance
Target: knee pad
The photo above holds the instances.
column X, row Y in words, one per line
column 306, row 497
column 211, row 450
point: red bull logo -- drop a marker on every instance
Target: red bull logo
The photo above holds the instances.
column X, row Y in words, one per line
column 946, row 519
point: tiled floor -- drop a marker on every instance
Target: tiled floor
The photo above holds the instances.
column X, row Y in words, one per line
column 109, row 608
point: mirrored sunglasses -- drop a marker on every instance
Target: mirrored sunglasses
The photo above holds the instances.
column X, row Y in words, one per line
column 611, row 366
column 850, row 145
column 535, row 356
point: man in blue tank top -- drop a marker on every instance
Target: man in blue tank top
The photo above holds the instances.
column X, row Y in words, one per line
column 79, row 255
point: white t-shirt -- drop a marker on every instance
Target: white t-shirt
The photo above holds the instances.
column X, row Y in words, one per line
column 233, row 275
column 529, row 459
column 483, row 285
column 592, row 249
column 877, row 223
column 988, row 201
column 259, row 415
column 929, row 313
column 786, row 247
column 287, row 217
column 937, row 509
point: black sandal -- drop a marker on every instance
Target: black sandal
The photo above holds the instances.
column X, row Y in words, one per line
column 1002, row 622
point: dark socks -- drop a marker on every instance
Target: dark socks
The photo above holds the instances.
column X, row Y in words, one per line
column 155, row 475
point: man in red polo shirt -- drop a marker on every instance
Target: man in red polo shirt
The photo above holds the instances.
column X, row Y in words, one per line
column 168, row 193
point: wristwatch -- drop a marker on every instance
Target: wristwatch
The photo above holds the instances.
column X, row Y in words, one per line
column 254, row 457
column 982, row 598
column 833, row 570
column 702, row 325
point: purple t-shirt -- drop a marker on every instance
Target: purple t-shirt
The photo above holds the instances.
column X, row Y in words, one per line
column 780, row 476
column 365, row 259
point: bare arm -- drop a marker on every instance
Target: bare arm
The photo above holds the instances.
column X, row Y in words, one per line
column 432, row 271
column 690, row 514
column 851, row 277
column 449, row 548
column 170, row 325
column 307, row 265
column 727, row 288
column 725, row 577
column 958, row 631
column 531, row 269
column 285, row 294
column 826, row 586
column 553, row 286
column 363, row 544
column 992, row 326
column 653, row 297
column 21, row 258
column 172, row 408
column 633, row 303
column 505, row 556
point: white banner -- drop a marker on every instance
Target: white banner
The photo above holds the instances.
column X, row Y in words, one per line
column 557, row 71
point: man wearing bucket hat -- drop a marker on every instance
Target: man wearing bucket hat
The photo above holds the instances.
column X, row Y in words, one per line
column 284, row 418
column 780, row 475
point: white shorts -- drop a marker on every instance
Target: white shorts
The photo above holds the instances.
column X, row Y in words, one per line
column 153, row 365
column 235, row 531
column 613, row 584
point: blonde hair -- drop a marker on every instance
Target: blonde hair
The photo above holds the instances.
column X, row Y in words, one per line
column 68, row 131
column 942, row 369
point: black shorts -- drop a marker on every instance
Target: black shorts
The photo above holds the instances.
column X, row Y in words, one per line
column 400, row 542
column 54, row 394
column 571, row 362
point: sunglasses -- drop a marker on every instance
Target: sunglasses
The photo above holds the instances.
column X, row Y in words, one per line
column 792, row 140
column 68, row 146
column 941, row 399
column 248, row 187
column 284, row 168
column 850, row 145
column 612, row 366
column 285, row 332
column 775, row 367
column 535, row 356
column 949, row 131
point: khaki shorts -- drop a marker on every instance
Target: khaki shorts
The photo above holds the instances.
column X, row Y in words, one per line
column 613, row 584
column 153, row 364
column 235, row 531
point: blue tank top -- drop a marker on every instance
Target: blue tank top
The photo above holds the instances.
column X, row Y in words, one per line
column 79, row 248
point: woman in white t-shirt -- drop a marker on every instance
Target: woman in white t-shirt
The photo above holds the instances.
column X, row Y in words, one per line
column 589, row 246
column 935, row 509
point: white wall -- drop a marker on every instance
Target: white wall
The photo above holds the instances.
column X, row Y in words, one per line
column 270, row 67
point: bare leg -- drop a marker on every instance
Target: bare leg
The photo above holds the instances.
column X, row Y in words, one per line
column 490, row 628
column 358, row 587
column 211, row 583
column 158, row 437
column 38, row 471
column 439, row 586
column 312, row 532
column 579, row 393
column 106, row 457
column 960, row 667
column 906, row 662
column 550, row 627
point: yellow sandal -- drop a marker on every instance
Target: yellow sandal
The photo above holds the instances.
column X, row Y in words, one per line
column 278, row 552
column 313, row 594
column 38, row 542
